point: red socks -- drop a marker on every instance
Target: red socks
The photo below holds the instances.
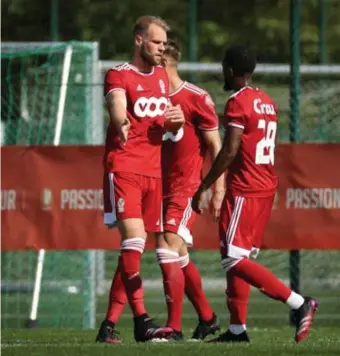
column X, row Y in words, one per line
column 118, row 298
column 261, row 278
column 194, row 290
column 173, row 282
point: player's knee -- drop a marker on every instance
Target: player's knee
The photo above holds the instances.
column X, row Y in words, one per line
column 164, row 255
column 135, row 244
column 184, row 260
column 173, row 241
column 229, row 262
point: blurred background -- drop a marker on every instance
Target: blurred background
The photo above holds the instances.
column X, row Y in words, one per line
column 54, row 55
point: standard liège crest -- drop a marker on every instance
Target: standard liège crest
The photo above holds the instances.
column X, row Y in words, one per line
column 162, row 86
column 120, row 205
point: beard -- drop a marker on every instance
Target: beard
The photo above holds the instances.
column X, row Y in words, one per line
column 148, row 57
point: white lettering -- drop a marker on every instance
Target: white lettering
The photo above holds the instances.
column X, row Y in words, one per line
column 81, row 199
column 150, row 107
column 8, row 199
column 313, row 198
column 261, row 109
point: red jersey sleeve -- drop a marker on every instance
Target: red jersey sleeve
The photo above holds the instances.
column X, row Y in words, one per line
column 234, row 114
column 114, row 80
column 206, row 114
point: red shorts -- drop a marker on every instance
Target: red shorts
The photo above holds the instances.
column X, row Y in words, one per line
column 242, row 224
column 128, row 195
column 178, row 217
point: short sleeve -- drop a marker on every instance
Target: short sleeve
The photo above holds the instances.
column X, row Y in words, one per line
column 234, row 114
column 206, row 114
column 114, row 80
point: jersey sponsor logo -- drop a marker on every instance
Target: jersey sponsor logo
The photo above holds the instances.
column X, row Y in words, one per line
column 261, row 108
column 174, row 136
column 150, row 107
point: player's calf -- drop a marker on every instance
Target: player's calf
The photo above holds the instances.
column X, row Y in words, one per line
column 173, row 279
column 208, row 322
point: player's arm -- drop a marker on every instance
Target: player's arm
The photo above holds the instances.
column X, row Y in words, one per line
column 115, row 94
column 117, row 104
column 235, row 124
column 229, row 150
column 212, row 140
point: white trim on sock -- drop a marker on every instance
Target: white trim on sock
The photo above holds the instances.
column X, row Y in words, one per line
column 166, row 256
column 135, row 243
column 184, row 260
column 295, row 301
column 237, row 329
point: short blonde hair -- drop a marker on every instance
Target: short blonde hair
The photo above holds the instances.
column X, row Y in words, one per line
column 143, row 23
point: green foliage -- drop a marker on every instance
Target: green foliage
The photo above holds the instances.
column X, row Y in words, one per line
column 263, row 24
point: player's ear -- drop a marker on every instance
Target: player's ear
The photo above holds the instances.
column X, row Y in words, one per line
column 138, row 40
column 164, row 61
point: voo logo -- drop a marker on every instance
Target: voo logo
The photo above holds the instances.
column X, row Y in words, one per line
column 150, row 107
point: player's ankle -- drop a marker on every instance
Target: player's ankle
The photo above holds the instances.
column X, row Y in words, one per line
column 295, row 301
column 237, row 329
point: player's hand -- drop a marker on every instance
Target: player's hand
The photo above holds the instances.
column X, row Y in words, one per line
column 123, row 130
column 175, row 114
column 216, row 203
column 198, row 200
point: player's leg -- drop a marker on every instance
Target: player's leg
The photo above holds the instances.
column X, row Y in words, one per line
column 117, row 296
column 167, row 246
column 177, row 213
column 117, row 302
column 207, row 319
column 126, row 195
column 245, row 229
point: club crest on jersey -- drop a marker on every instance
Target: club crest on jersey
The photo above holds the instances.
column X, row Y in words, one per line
column 120, row 205
column 162, row 86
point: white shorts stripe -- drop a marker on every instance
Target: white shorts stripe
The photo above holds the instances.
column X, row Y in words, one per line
column 186, row 214
column 234, row 220
column 111, row 218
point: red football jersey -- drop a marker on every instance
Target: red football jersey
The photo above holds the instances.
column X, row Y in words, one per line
column 252, row 171
column 183, row 152
column 147, row 99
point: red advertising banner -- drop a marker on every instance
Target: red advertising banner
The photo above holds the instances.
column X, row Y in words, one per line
column 51, row 198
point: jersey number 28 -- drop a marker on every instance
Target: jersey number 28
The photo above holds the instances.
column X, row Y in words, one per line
column 266, row 146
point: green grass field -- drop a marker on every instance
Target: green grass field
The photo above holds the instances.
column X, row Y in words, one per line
column 267, row 324
column 61, row 313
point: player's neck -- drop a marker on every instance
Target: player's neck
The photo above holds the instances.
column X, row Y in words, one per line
column 175, row 83
column 140, row 65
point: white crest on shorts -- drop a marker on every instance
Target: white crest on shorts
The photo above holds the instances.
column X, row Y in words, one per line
column 162, row 86
column 120, row 205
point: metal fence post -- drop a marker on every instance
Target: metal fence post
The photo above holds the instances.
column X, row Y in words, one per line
column 294, row 125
